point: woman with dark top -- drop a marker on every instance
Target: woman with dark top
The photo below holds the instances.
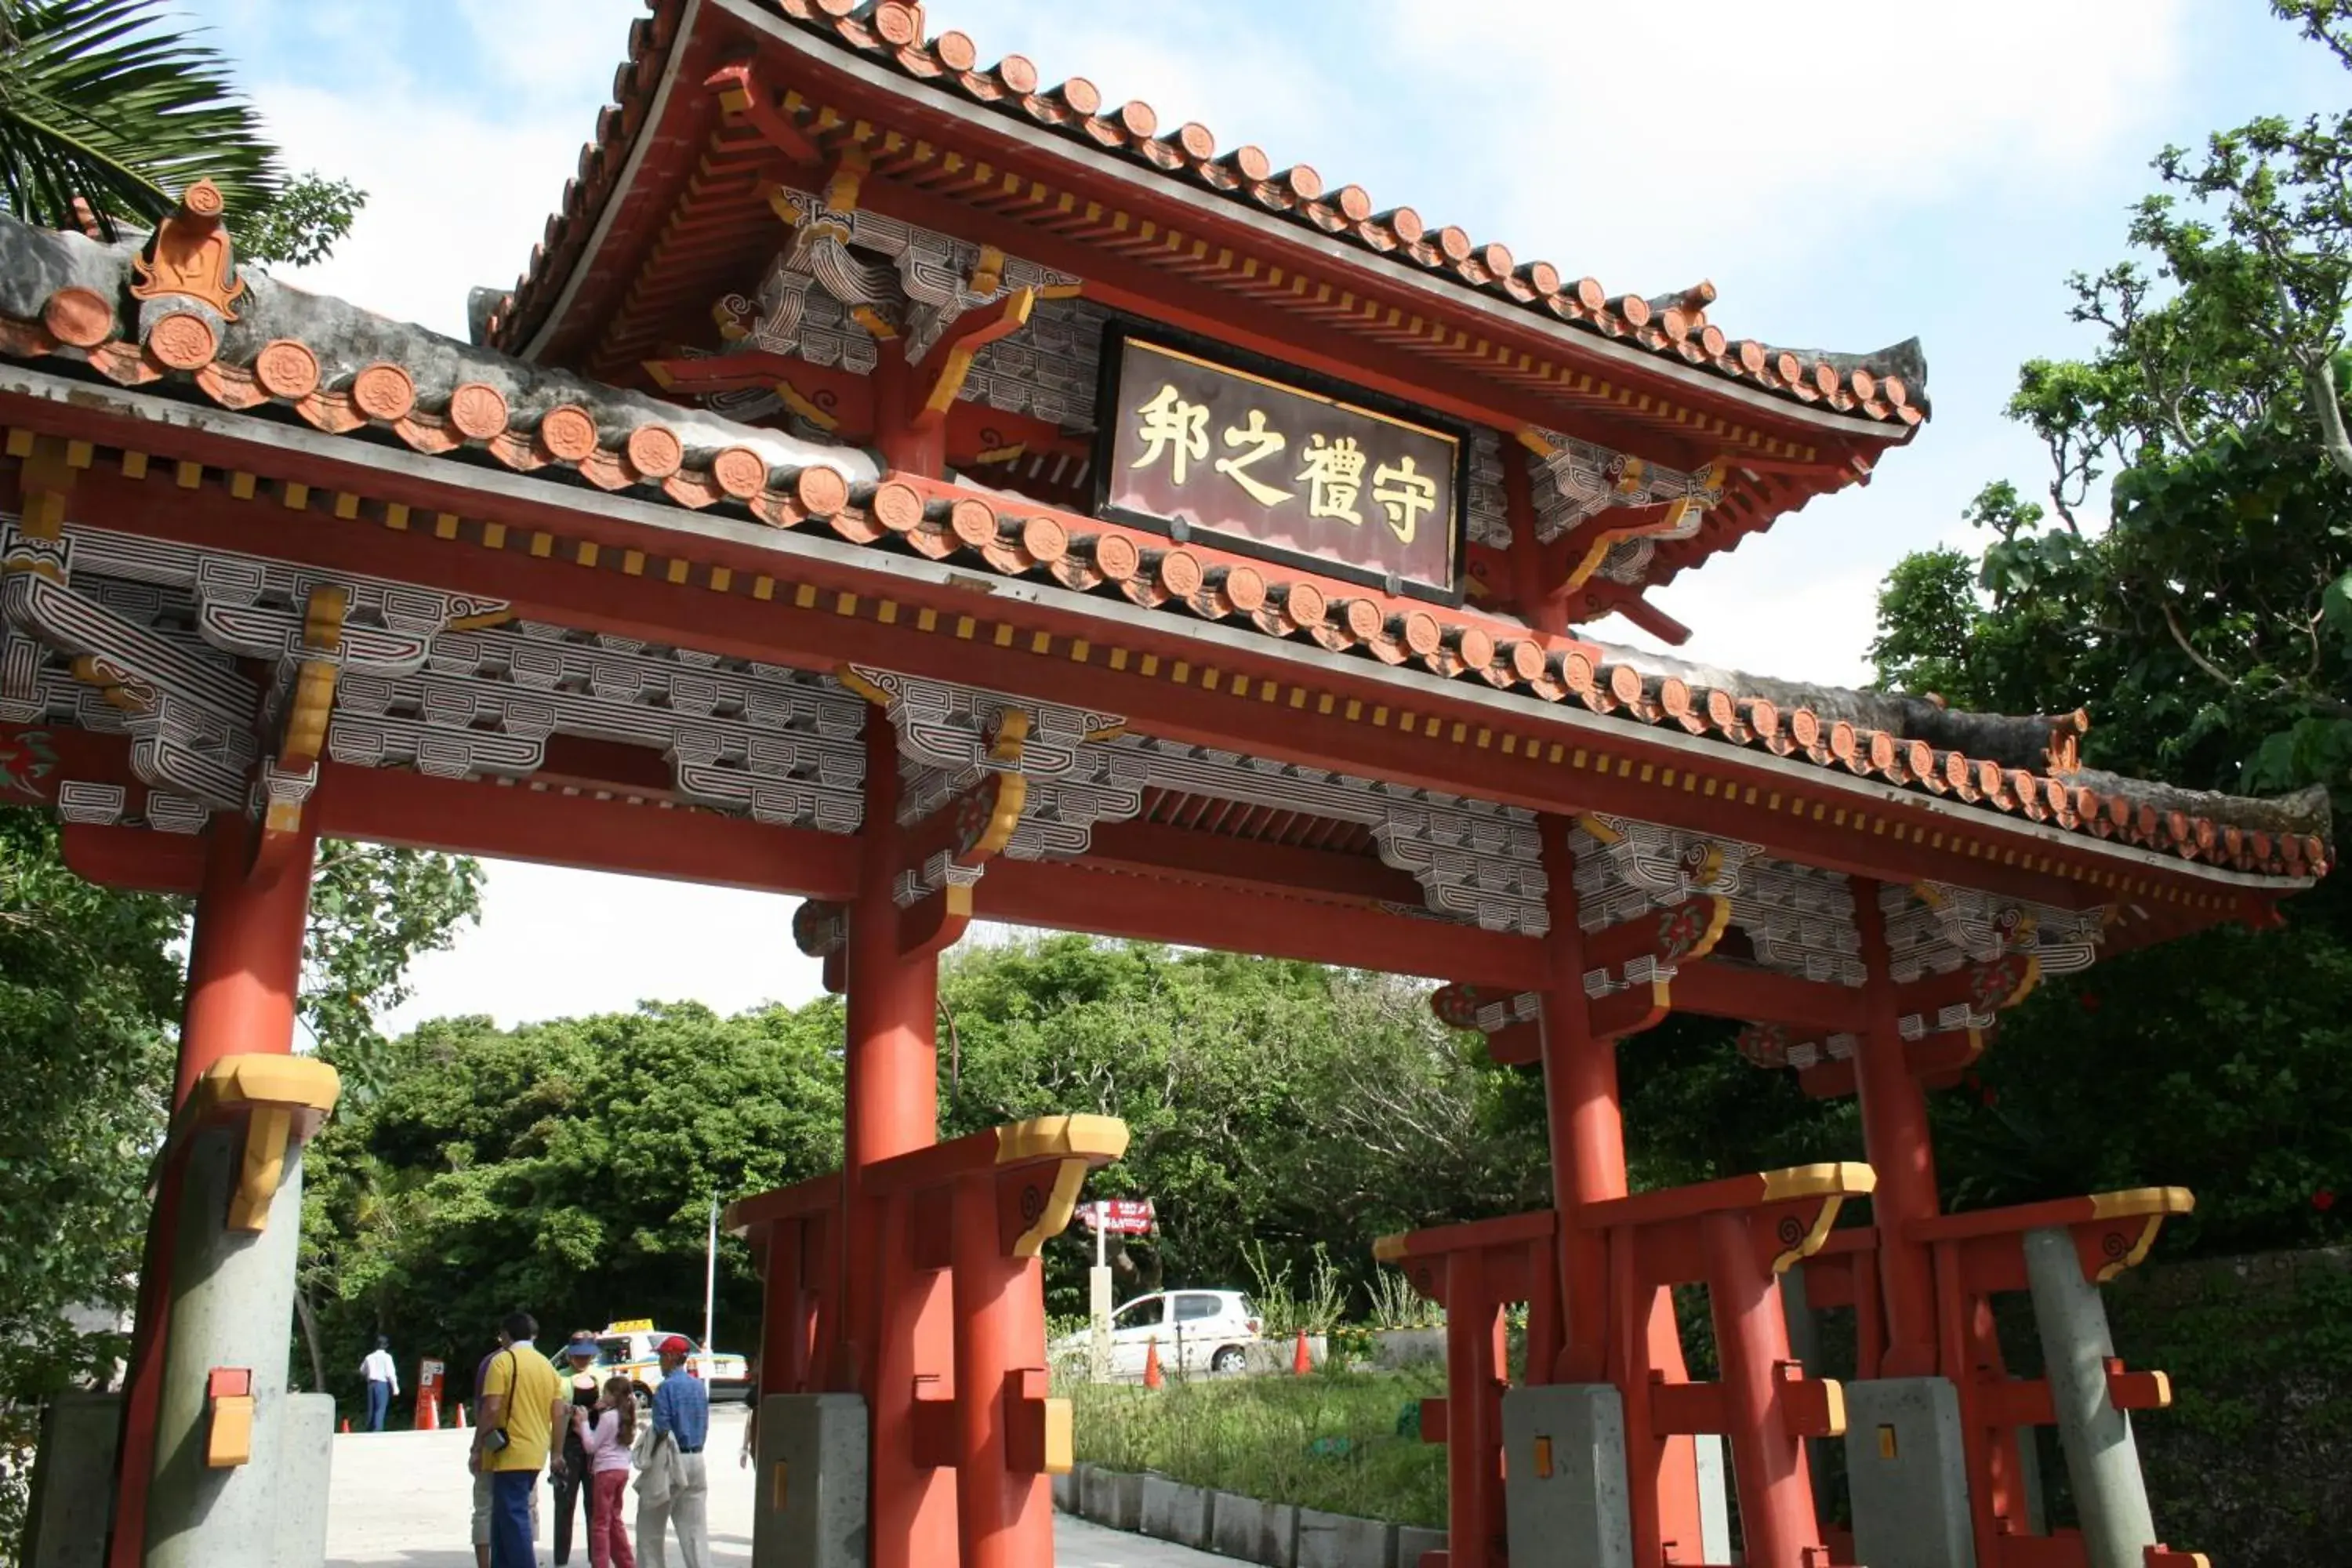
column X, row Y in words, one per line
column 569, row 1475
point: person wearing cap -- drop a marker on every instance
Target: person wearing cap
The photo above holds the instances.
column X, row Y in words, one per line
column 382, row 1382
column 569, row 1470
column 682, row 1420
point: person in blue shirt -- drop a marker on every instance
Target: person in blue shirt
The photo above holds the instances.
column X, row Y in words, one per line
column 681, row 1421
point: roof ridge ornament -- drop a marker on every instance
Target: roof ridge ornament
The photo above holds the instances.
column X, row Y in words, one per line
column 186, row 281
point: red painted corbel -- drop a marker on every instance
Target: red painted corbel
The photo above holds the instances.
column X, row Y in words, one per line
column 931, row 1423
column 2137, row 1390
column 1810, row 1406
column 1036, row 1426
column 741, row 96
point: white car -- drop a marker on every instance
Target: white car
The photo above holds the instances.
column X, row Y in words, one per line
column 1197, row 1330
column 628, row 1350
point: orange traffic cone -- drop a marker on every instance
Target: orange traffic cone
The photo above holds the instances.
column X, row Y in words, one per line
column 347, row 1424
column 460, row 1422
column 1301, row 1364
column 1152, row 1377
column 428, row 1414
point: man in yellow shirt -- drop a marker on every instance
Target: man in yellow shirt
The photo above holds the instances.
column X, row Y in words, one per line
column 518, row 1405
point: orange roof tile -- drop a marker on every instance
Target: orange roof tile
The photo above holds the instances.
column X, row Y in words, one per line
column 1888, row 387
column 349, row 373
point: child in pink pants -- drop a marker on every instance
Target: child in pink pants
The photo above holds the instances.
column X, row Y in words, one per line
column 608, row 1435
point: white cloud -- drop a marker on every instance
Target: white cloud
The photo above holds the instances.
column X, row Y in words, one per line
column 1658, row 141
column 557, row 943
column 460, row 169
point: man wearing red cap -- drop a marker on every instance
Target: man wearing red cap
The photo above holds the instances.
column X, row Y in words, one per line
column 682, row 1422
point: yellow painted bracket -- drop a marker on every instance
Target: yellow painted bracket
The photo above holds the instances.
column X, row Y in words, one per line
column 1049, row 1157
column 281, row 1100
column 228, row 1427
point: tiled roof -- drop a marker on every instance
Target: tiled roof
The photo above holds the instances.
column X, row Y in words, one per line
column 1888, row 387
column 349, row 373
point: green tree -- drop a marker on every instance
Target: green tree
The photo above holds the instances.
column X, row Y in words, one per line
column 2210, row 615
column 2201, row 616
column 566, row 1168
column 87, row 986
column 104, row 102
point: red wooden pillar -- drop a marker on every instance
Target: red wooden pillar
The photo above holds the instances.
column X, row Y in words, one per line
column 907, row 444
column 1897, row 1142
column 1005, row 1515
column 244, row 976
column 1586, row 1128
column 892, row 1329
column 1474, row 1502
column 785, row 1313
column 1776, row 1493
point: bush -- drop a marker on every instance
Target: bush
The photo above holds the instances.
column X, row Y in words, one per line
column 1344, row 1441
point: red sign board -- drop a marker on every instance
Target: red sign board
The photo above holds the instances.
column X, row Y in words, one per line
column 1119, row 1216
column 1269, row 467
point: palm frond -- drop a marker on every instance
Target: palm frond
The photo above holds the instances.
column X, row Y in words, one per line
column 102, row 100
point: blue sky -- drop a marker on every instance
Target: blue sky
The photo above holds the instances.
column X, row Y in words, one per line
column 1847, row 174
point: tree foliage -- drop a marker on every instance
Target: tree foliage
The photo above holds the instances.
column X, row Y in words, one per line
column 566, row 1167
column 105, row 102
column 2202, row 617
column 87, row 983
column 2207, row 618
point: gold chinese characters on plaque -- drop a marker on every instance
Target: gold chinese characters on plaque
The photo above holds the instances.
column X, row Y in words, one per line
column 1276, row 469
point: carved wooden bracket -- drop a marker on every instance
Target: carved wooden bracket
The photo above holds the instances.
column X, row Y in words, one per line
column 743, row 97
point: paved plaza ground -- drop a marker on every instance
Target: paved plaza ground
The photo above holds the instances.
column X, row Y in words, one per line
column 404, row 1498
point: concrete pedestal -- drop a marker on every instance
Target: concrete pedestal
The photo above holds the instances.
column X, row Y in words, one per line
column 1907, row 1472
column 1565, row 1495
column 810, row 1505
column 1714, row 1497
column 73, row 1482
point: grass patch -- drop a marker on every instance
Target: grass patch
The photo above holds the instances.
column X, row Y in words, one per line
column 1330, row 1442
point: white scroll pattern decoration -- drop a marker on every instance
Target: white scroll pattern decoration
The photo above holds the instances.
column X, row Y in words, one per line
column 1489, row 516
column 1475, row 861
column 1576, row 479
column 774, row 744
column 149, row 628
column 1934, row 928
column 1799, row 920
column 949, row 741
column 842, row 263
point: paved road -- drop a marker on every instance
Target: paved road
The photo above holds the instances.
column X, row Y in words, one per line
column 404, row 1500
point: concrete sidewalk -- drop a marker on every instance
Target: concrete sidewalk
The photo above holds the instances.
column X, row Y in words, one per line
column 404, row 1499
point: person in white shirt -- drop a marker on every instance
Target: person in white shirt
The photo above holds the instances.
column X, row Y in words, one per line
column 383, row 1383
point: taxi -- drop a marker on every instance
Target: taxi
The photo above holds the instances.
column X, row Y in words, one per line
column 627, row 1350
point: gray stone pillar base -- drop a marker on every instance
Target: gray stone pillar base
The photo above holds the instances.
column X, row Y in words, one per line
column 1565, row 1495
column 73, row 1482
column 2101, row 1461
column 232, row 1306
column 305, row 1455
column 1907, row 1469
column 809, row 1503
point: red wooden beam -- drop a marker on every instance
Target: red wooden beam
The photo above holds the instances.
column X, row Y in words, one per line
column 385, row 805
column 1212, row 859
column 1152, row 909
column 138, row 859
column 1719, row 991
column 1639, row 612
